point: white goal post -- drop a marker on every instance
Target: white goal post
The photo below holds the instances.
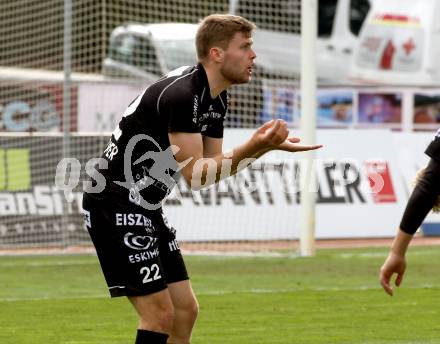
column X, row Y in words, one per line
column 309, row 19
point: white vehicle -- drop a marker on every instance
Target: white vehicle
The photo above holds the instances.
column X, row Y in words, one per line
column 399, row 44
column 277, row 41
column 149, row 51
column 146, row 51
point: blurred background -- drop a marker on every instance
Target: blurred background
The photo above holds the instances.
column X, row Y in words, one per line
column 69, row 68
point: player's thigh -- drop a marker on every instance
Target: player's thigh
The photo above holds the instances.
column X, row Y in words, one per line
column 150, row 306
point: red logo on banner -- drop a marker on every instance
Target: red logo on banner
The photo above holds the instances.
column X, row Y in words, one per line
column 386, row 61
column 378, row 173
column 409, row 46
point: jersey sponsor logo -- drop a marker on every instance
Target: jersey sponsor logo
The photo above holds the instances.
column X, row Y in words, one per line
column 173, row 245
column 139, row 242
column 111, row 150
column 143, row 256
column 195, row 108
column 133, row 220
column 211, row 114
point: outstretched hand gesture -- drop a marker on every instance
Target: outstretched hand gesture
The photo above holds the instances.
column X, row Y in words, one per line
column 274, row 135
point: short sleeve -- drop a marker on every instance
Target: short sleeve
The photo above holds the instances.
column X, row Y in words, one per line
column 214, row 129
column 179, row 113
column 433, row 150
column 214, row 124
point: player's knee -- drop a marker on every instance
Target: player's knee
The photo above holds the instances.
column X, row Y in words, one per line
column 190, row 310
column 193, row 309
column 165, row 319
column 160, row 318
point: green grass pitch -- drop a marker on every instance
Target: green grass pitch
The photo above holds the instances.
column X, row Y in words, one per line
column 331, row 298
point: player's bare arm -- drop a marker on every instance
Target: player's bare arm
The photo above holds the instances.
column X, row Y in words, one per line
column 212, row 146
column 204, row 169
column 395, row 262
column 423, row 198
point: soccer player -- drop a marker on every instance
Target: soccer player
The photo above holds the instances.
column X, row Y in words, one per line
column 423, row 198
column 175, row 127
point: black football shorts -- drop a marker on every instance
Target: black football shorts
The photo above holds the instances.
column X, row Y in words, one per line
column 137, row 248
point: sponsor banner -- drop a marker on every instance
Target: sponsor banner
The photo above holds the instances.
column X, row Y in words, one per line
column 359, row 193
column 99, row 110
column 100, row 106
column 28, row 106
column 31, row 207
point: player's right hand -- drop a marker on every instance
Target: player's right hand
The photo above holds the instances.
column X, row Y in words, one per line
column 393, row 264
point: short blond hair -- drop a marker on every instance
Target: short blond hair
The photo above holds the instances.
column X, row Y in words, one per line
column 218, row 30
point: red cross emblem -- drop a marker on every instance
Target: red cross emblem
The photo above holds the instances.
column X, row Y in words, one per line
column 409, row 46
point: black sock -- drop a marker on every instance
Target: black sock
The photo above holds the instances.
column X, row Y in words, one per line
column 150, row 337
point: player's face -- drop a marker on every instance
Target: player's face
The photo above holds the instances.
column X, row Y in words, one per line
column 238, row 59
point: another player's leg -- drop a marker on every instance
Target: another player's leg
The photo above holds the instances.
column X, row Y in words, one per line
column 186, row 309
column 156, row 316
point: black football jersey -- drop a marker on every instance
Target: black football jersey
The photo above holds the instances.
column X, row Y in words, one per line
column 141, row 164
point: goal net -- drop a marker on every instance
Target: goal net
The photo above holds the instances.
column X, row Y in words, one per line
column 115, row 49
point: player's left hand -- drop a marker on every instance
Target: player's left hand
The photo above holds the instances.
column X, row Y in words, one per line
column 393, row 264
